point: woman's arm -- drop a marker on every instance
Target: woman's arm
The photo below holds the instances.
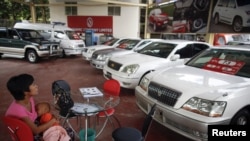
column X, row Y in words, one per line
column 41, row 128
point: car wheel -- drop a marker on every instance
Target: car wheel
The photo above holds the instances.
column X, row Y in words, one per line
column 197, row 24
column 201, row 5
column 32, row 56
column 216, row 19
column 63, row 55
column 237, row 24
column 241, row 118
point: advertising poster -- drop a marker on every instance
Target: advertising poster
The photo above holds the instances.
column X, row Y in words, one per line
column 230, row 16
column 182, row 16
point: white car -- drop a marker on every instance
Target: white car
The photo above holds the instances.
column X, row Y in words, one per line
column 88, row 51
column 100, row 57
column 129, row 69
column 212, row 88
column 233, row 12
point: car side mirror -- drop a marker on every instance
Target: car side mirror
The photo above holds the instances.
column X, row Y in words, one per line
column 175, row 57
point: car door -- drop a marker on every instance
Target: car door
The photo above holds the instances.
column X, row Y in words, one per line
column 17, row 44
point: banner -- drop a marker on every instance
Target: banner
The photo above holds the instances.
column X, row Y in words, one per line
column 99, row 24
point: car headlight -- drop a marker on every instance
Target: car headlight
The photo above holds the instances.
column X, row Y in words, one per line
column 91, row 51
column 205, row 107
column 144, row 83
column 43, row 47
column 102, row 57
column 130, row 69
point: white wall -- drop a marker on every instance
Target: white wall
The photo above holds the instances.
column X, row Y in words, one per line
column 126, row 25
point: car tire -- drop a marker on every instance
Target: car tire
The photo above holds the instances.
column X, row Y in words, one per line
column 241, row 118
column 237, row 24
column 197, row 24
column 63, row 55
column 32, row 56
column 216, row 18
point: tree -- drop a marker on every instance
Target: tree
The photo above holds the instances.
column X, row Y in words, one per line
column 14, row 10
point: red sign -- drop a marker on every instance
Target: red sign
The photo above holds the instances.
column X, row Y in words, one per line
column 224, row 66
column 99, row 24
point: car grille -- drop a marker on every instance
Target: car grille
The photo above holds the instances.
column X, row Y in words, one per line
column 114, row 65
column 80, row 45
column 163, row 94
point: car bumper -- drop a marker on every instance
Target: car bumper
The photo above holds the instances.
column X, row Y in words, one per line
column 97, row 64
column 125, row 81
column 49, row 53
column 177, row 119
column 69, row 51
column 86, row 56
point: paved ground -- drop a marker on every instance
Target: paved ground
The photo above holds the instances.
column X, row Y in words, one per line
column 78, row 73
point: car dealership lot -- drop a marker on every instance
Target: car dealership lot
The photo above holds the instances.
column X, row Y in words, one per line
column 78, row 73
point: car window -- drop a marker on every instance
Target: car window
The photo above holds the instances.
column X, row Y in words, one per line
column 243, row 2
column 72, row 35
column 222, row 3
column 231, row 4
column 158, row 49
column 197, row 48
column 185, row 52
column 3, row 34
column 129, row 44
column 110, row 42
column 12, row 33
column 234, row 62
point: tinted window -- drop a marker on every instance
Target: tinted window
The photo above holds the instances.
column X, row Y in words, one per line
column 3, row 34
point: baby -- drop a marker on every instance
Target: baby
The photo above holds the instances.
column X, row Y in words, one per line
column 55, row 132
column 43, row 112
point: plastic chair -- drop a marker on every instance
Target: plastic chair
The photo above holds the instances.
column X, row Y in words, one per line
column 133, row 134
column 110, row 87
column 18, row 130
column 61, row 92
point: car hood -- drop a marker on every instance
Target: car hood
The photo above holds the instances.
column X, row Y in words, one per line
column 135, row 58
column 194, row 82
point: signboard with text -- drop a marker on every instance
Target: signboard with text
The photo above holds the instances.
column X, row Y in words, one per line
column 99, row 24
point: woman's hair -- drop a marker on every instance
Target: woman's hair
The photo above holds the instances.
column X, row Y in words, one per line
column 19, row 84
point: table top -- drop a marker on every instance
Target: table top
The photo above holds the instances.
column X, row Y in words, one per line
column 93, row 104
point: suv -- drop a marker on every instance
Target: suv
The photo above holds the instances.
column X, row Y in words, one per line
column 70, row 41
column 212, row 88
column 25, row 43
column 233, row 12
column 129, row 69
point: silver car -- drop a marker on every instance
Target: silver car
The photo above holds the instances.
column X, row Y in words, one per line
column 210, row 89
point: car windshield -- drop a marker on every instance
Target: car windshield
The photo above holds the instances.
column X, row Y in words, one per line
column 72, row 35
column 158, row 49
column 110, row 42
column 234, row 62
column 29, row 34
column 128, row 44
column 243, row 2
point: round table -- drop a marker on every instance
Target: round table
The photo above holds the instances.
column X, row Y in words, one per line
column 91, row 105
